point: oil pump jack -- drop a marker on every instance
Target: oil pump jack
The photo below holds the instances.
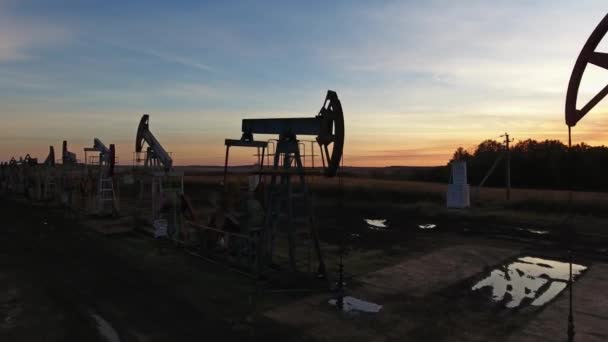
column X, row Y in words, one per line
column 50, row 158
column 23, row 176
column 67, row 157
column 4, row 176
column 45, row 188
column 28, row 179
column 328, row 128
column 155, row 155
column 70, row 176
column 170, row 206
column 588, row 55
column 103, row 162
column 48, row 176
column 10, row 175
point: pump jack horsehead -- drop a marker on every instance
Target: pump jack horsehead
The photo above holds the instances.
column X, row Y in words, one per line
column 587, row 56
column 67, row 157
column 170, row 206
column 47, row 189
column 328, row 128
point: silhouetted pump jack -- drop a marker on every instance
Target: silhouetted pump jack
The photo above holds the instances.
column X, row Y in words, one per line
column 587, row 56
column 328, row 128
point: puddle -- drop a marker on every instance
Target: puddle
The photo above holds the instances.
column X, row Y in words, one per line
column 376, row 224
column 427, row 226
column 351, row 304
column 534, row 231
column 529, row 281
column 105, row 329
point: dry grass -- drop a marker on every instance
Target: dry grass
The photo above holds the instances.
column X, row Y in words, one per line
column 532, row 207
column 436, row 189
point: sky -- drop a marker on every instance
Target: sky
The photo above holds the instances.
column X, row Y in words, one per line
column 416, row 79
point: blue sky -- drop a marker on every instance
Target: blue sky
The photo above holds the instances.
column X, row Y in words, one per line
column 416, row 80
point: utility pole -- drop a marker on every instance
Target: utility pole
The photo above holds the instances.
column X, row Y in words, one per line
column 507, row 164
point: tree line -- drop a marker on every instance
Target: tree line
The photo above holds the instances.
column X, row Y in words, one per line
column 539, row 164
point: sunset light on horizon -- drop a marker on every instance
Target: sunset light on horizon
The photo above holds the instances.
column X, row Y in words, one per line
column 416, row 80
column 275, row 170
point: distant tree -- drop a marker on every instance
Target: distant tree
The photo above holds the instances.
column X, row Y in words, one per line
column 540, row 164
column 461, row 154
column 547, row 164
column 488, row 146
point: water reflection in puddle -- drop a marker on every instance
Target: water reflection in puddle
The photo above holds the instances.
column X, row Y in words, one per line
column 427, row 226
column 376, row 224
column 529, row 280
column 105, row 329
column 534, row 231
column 351, row 304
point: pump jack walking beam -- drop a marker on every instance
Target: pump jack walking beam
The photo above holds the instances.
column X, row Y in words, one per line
column 327, row 126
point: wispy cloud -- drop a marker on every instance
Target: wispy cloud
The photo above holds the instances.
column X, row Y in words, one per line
column 190, row 90
column 416, row 79
column 20, row 37
column 497, row 45
column 172, row 58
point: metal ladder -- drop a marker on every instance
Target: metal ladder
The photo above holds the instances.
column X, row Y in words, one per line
column 106, row 194
column 296, row 202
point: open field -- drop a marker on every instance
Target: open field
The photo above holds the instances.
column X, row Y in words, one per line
column 434, row 191
column 60, row 277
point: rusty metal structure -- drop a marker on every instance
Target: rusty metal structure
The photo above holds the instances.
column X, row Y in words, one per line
column 286, row 194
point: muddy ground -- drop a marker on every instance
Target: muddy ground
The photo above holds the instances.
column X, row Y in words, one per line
column 55, row 275
column 60, row 281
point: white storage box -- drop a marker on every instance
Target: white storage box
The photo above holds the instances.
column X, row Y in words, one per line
column 458, row 190
column 458, row 196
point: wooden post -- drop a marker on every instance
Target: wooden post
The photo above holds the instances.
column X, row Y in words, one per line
column 507, row 165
